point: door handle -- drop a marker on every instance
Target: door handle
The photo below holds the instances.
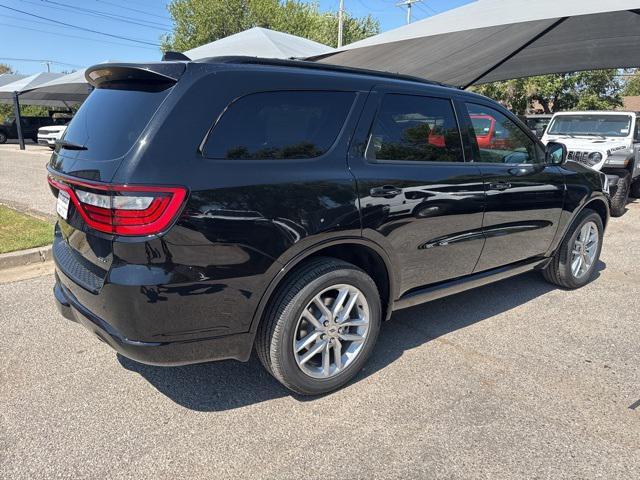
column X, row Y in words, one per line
column 386, row 191
column 499, row 186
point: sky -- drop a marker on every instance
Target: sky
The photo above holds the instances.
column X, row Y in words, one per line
column 32, row 31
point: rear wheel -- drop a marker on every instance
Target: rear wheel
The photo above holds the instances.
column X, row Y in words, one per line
column 320, row 327
column 621, row 197
column 574, row 262
column 3, row 137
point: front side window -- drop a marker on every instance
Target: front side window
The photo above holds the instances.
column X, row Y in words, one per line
column 415, row 128
column 497, row 139
column 279, row 125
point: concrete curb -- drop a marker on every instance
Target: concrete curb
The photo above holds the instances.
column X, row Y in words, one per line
column 25, row 257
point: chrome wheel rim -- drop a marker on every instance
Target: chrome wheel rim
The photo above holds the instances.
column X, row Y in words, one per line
column 584, row 250
column 331, row 331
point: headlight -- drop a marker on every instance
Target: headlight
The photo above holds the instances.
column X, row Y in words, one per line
column 594, row 158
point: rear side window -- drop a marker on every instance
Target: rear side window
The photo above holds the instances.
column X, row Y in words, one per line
column 110, row 121
column 279, row 125
column 415, row 128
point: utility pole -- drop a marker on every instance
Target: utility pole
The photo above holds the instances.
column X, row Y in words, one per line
column 340, row 22
column 408, row 4
column 48, row 64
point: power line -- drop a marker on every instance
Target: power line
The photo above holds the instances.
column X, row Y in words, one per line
column 76, row 36
column 10, row 59
column 96, row 13
column 133, row 9
column 80, row 28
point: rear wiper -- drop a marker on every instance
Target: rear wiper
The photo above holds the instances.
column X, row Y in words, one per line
column 70, row 145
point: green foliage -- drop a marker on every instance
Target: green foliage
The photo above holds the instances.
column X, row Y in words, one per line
column 197, row 22
column 590, row 90
column 632, row 87
column 19, row 231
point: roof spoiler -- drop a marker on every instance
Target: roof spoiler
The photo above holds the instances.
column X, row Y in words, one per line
column 122, row 75
column 169, row 56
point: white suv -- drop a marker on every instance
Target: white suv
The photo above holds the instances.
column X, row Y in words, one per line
column 49, row 135
column 605, row 141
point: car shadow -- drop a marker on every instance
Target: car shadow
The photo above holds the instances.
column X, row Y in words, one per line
column 227, row 385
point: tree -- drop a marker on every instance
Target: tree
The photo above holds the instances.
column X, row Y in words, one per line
column 632, row 87
column 4, row 68
column 197, row 22
column 590, row 90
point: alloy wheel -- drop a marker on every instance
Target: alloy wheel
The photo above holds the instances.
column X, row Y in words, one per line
column 331, row 331
column 585, row 249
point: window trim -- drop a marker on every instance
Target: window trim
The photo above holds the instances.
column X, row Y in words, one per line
column 452, row 103
column 527, row 132
column 201, row 147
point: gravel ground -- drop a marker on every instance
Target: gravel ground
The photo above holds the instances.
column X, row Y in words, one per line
column 513, row 380
column 23, row 179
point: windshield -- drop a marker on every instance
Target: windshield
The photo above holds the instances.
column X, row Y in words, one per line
column 591, row 125
column 481, row 125
column 110, row 121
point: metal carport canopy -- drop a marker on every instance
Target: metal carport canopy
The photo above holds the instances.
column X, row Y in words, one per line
column 260, row 42
column 68, row 89
column 491, row 40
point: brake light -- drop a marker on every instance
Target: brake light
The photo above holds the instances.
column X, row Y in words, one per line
column 130, row 210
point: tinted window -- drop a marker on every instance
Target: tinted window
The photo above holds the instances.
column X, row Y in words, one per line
column 497, row 139
column 279, row 125
column 414, row 128
column 110, row 121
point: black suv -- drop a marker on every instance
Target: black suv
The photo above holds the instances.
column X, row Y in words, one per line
column 30, row 126
column 207, row 208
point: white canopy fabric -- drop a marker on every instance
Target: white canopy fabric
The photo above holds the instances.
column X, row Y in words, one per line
column 9, row 78
column 260, row 42
column 491, row 40
column 71, row 88
column 28, row 83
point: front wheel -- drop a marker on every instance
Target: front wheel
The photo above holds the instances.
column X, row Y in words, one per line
column 320, row 327
column 3, row 137
column 621, row 197
column 574, row 262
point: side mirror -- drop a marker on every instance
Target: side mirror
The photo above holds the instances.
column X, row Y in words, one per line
column 556, row 153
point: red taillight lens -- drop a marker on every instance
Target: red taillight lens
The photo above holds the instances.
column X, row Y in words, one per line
column 124, row 209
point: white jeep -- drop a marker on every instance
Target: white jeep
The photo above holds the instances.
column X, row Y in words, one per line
column 605, row 141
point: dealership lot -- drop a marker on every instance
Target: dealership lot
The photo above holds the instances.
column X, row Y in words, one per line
column 513, row 380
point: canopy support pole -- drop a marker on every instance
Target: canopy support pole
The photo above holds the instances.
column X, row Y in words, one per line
column 517, row 51
column 16, row 112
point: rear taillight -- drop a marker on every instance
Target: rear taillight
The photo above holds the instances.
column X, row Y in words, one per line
column 131, row 210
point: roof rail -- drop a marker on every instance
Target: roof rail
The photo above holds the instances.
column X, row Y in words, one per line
column 316, row 66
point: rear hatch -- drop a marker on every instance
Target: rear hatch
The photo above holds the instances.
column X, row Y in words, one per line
column 110, row 128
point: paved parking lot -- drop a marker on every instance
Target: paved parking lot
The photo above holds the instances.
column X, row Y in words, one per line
column 23, row 178
column 513, row 380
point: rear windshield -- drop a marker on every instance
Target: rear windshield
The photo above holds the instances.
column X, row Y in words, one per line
column 110, row 121
column 591, row 125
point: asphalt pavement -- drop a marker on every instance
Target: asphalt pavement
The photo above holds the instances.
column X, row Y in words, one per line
column 513, row 380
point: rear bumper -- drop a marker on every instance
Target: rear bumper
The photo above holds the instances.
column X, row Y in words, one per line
column 237, row 346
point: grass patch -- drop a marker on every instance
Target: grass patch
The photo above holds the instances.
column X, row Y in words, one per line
column 19, row 231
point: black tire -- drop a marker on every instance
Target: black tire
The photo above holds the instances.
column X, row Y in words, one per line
column 621, row 197
column 274, row 340
column 558, row 271
column 3, row 137
column 635, row 189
